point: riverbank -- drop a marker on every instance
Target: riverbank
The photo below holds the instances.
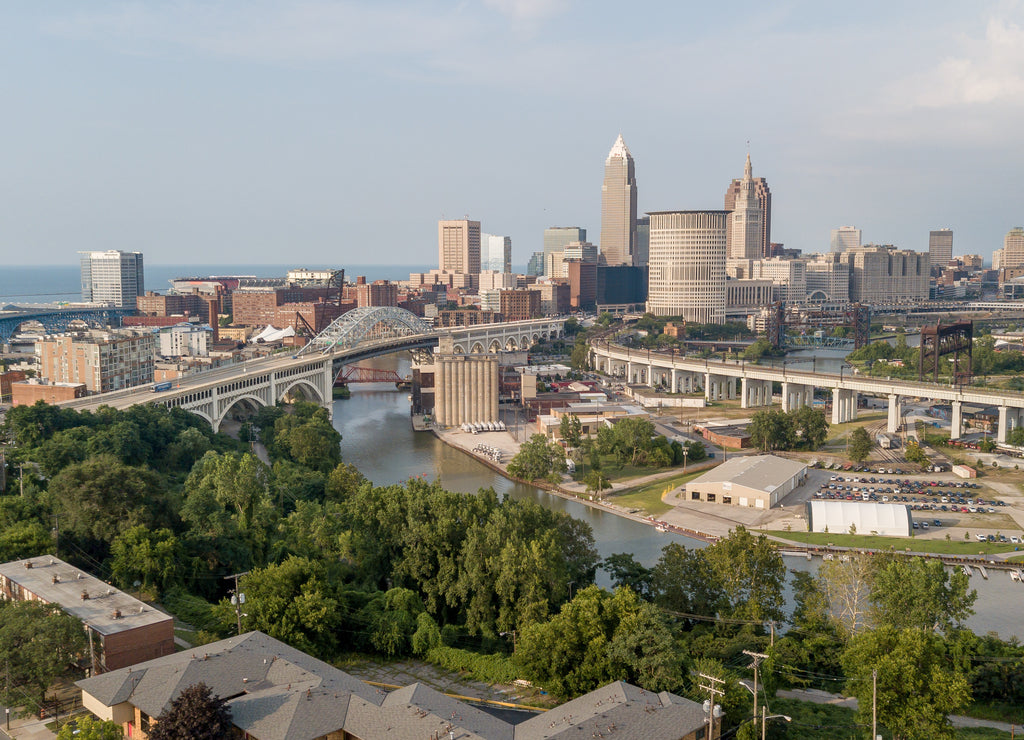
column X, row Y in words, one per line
column 504, row 441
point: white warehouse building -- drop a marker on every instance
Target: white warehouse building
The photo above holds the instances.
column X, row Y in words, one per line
column 757, row 481
column 868, row 517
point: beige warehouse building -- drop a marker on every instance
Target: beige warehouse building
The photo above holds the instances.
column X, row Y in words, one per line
column 757, row 481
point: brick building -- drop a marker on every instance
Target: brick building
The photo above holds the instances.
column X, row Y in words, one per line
column 123, row 631
column 28, row 392
column 519, row 305
column 103, row 362
column 377, row 293
column 6, row 379
column 467, row 317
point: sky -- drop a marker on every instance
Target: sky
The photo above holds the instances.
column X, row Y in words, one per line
column 337, row 132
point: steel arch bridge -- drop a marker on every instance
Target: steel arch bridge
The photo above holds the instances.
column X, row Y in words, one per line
column 366, row 324
column 57, row 319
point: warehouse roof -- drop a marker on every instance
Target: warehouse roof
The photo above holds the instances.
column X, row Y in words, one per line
column 761, row 472
column 867, row 516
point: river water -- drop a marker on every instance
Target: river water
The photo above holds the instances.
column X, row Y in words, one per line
column 377, row 437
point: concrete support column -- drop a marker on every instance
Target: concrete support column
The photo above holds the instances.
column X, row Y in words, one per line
column 1004, row 424
column 854, row 397
column 956, row 421
column 731, row 385
column 746, row 394
column 808, row 399
column 707, row 387
column 839, row 406
column 475, row 392
column 895, row 413
column 650, row 376
column 463, row 393
column 675, row 380
column 493, row 374
column 787, row 397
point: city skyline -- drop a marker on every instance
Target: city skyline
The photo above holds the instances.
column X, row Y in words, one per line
column 226, row 132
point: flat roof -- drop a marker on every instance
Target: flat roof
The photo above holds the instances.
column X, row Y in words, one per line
column 761, row 472
column 52, row 580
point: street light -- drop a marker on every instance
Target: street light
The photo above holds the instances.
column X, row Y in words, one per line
column 765, row 717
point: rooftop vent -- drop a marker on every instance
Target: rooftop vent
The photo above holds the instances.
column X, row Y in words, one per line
column 56, row 578
column 116, row 614
column 85, row 595
column 28, row 565
column 79, row 576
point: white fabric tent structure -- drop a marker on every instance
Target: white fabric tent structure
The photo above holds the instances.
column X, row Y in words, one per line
column 270, row 334
column 868, row 517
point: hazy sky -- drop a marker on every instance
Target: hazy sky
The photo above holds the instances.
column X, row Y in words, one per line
column 338, row 132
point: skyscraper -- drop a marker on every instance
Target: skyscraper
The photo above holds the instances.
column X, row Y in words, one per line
column 687, row 265
column 745, row 235
column 1012, row 253
column 112, row 277
column 496, row 253
column 940, row 247
column 555, row 239
column 618, row 207
column 458, row 246
column 845, row 237
column 763, row 196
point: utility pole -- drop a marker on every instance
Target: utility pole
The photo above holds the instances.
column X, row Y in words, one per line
column 237, row 597
column 757, row 658
column 711, row 685
column 874, row 703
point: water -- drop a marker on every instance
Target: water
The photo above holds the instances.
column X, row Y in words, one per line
column 45, row 284
column 378, row 439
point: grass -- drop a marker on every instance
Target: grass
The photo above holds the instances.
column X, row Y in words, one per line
column 998, row 712
column 839, row 431
column 1016, row 558
column 877, row 542
column 647, row 498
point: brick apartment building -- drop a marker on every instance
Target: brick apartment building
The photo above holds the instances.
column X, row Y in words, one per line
column 377, row 293
column 519, row 305
column 103, row 362
column 6, row 379
column 123, row 631
column 279, row 307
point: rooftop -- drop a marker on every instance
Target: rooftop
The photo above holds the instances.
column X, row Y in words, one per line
column 81, row 595
column 762, row 472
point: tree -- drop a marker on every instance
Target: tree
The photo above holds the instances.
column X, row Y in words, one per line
column 596, row 481
column 914, row 454
column 846, row 585
column 632, row 437
column 772, row 429
column 918, row 686
column 196, row 714
column 860, row 444
column 1016, row 437
column 751, row 573
column 150, row 557
column 38, row 643
column 624, row 570
column 811, row 426
column 571, row 430
column 537, row 458
column 919, row 592
column 87, row 728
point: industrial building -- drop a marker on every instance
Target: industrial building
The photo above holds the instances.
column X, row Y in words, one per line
column 758, row 481
column 867, row 517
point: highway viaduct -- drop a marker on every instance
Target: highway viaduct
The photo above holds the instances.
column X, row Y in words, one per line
column 310, row 372
column 752, row 384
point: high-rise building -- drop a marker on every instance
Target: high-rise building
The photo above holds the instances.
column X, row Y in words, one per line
column 828, row 279
column 687, row 265
column 112, row 277
column 555, row 240
column 104, row 362
column 643, row 241
column 745, row 236
column 789, row 276
column 458, row 246
column 618, row 207
column 881, row 274
column 536, row 264
column 554, row 266
column 940, row 247
column 1012, row 253
column 496, row 253
column 763, row 197
column 845, row 237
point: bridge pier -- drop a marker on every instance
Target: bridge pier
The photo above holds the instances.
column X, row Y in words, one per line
column 956, row 420
column 719, row 387
column 755, row 393
column 1009, row 419
column 844, row 406
column 895, row 413
column 795, row 395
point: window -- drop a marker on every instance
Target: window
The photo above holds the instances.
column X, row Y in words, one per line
column 711, row 498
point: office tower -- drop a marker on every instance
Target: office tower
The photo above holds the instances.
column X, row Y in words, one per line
column 845, row 237
column 555, row 239
column 828, row 279
column 458, row 246
column 643, row 241
column 745, row 236
column 112, row 277
column 536, row 264
column 790, row 276
column 618, row 207
column 496, row 253
column 881, row 274
column 1012, row 253
column 555, row 263
column 940, row 247
column 687, row 265
column 763, row 196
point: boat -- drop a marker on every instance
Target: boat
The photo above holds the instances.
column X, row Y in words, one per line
column 660, row 527
column 828, row 556
column 966, row 570
column 1015, row 575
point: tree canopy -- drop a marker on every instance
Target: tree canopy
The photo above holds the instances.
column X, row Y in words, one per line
column 195, row 714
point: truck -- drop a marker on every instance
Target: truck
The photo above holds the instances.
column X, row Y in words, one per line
column 160, row 387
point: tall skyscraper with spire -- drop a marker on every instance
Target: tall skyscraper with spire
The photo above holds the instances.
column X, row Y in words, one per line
column 745, row 232
column 618, row 207
column 763, row 197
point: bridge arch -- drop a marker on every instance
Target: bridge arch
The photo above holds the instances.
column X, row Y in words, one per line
column 477, row 349
column 366, row 323
column 494, row 347
column 307, row 388
column 250, row 403
column 511, row 345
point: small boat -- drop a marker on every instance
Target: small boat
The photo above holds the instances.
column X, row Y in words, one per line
column 828, row 556
column 1015, row 576
column 660, row 528
column 984, row 573
column 967, row 570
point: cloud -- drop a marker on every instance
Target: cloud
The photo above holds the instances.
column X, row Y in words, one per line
column 528, row 10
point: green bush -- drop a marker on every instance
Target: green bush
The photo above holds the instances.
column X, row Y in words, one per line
column 487, row 668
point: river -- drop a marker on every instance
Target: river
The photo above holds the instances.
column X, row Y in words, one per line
column 377, row 437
